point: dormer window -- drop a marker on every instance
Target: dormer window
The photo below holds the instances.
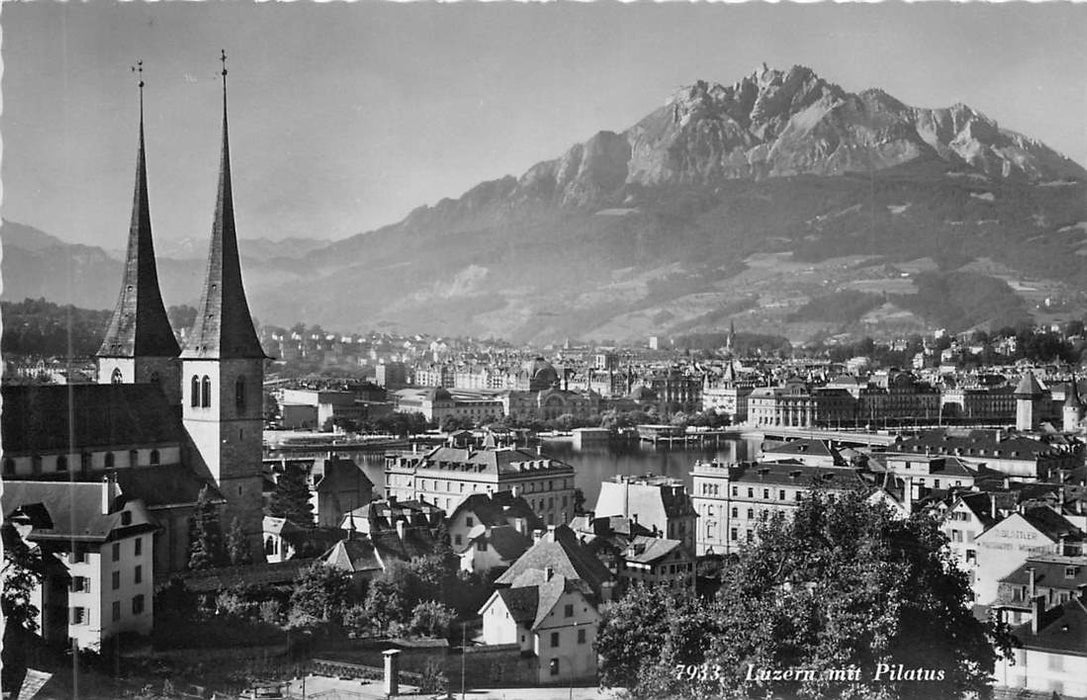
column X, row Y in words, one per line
column 126, row 517
column 116, row 377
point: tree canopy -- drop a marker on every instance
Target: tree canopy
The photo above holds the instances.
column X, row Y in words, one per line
column 291, row 497
column 206, row 549
column 842, row 587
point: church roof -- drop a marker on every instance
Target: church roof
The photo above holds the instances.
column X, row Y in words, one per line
column 74, row 417
column 224, row 327
column 139, row 325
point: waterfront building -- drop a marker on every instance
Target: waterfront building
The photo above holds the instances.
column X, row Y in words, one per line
column 731, row 500
column 446, row 476
column 1017, row 456
column 658, row 503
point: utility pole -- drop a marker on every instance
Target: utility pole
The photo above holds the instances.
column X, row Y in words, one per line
column 463, row 647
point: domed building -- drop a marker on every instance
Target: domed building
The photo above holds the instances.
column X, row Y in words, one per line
column 541, row 374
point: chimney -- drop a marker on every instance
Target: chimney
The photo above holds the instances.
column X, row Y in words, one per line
column 1037, row 609
column 537, row 535
column 520, row 525
column 392, row 672
column 1031, row 582
column 907, row 494
column 539, row 449
column 992, row 506
column 107, row 493
column 999, row 435
column 550, row 533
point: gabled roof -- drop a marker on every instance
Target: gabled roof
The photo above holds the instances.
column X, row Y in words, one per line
column 507, row 542
column 1061, row 630
column 560, row 552
column 139, row 325
column 75, row 510
column 164, row 485
column 1049, row 572
column 74, row 417
column 498, row 509
column 521, row 602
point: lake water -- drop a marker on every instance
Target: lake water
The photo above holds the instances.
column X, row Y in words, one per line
column 598, row 463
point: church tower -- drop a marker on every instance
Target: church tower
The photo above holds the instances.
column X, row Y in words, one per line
column 1073, row 408
column 222, row 370
column 139, row 346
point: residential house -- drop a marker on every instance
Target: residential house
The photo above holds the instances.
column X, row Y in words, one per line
column 659, row 503
column 1008, row 543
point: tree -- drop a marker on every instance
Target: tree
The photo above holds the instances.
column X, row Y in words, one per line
column 432, row 619
column 321, row 593
column 291, row 497
column 237, row 546
column 206, row 537
column 843, row 584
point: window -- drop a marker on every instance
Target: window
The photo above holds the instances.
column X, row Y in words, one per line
column 735, row 491
column 751, row 493
column 205, row 391
column 154, row 457
column 36, row 463
column 581, row 636
column 133, row 458
column 733, row 534
column 194, row 391
column 109, row 460
column 81, row 584
column 750, row 513
column 79, row 616
column 735, row 512
column 1069, row 572
column 568, row 611
column 750, row 534
column 781, row 495
column 79, row 555
column 482, row 546
column 956, row 535
column 766, row 494
column 971, row 556
column 9, row 466
column 62, row 463
column 137, row 605
column 126, row 517
column 239, row 395
column 85, row 461
column 116, row 377
column 469, row 521
column 554, row 667
column 554, row 639
column 138, row 578
column 139, row 546
column 116, row 551
column 116, row 580
column 116, row 610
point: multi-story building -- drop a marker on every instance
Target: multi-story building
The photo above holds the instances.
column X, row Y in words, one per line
column 658, row 503
column 969, row 515
column 795, row 405
column 445, row 476
column 436, row 404
column 1010, row 542
column 547, row 603
column 105, row 584
column 732, row 500
column 1048, row 658
column 1014, row 455
column 728, row 395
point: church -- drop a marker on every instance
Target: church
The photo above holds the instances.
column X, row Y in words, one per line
column 104, row 477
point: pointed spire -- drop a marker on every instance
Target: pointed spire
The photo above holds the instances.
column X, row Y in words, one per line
column 139, row 325
column 224, row 327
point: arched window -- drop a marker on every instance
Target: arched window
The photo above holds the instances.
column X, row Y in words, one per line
column 194, row 389
column 269, row 545
column 239, row 395
column 62, row 463
column 205, row 393
column 109, row 459
column 154, row 456
column 116, row 377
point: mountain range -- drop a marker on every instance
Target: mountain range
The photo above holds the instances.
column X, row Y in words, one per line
column 781, row 202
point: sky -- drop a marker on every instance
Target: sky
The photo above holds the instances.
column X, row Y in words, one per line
column 345, row 117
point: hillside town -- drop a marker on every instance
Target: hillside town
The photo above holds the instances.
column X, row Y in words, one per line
column 777, row 456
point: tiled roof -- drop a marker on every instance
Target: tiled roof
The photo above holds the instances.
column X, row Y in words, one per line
column 164, row 485
column 1062, row 629
column 521, row 602
column 1029, row 387
column 139, row 325
column 787, row 474
column 75, row 510
column 1053, row 525
column 357, row 554
column 651, row 549
column 1049, row 572
column 74, row 417
column 506, row 540
column 498, row 509
column 559, row 551
column 503, row 460
column 978, row 443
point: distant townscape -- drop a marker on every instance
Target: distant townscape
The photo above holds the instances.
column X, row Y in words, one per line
column 199, row 505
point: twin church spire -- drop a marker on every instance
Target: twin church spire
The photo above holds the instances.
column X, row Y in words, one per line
column 224, row 327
